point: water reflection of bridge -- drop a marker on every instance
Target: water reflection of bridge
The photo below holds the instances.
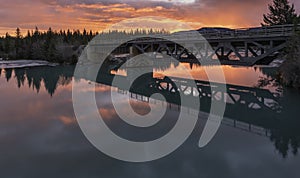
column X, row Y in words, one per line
column 255, row 104
column 247, row 109
column 237, row 124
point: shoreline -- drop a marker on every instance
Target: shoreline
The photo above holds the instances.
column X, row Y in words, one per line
column 13, row 64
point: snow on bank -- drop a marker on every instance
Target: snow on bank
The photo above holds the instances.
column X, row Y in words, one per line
column 23, row 64
column 277, row 62
column 274, row 64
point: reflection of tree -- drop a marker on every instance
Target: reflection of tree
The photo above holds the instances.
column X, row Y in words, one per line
column 285, row 140
column 49, row 77
column 34, row 78
column 268, row 71
column 284, row 127
column 286, row 133
column 8, row 74
column 269, row 80
column 266, row 82
column 51, row 80
column 65, row 80
column 20, row 75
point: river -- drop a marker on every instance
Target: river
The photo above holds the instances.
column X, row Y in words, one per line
column 40, row 136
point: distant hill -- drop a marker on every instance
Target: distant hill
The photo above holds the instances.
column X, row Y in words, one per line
column 214, row 29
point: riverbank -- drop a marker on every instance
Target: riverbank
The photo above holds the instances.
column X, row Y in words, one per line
column 290, row 70
column 24, row 63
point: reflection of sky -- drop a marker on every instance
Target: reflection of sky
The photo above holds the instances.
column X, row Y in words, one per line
column 40, row 138
column 234, row 75
column 242, row 76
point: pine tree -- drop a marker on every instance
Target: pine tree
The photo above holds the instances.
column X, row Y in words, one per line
column 7, row 44
column 18, row 42
column 28, row 34
column 36, row 34
column 280, row 13
column 50, row 47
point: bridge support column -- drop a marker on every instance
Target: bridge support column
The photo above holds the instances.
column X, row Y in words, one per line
column 134, row 51
column 246, row 49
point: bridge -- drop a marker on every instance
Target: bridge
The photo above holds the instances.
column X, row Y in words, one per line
column 245, row 47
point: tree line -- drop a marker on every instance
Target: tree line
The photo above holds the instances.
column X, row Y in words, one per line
column 43, row 45
column 281, row 12
column 54, row 46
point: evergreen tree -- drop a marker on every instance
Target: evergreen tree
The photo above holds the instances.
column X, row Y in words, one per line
column 28, row 46
column 7, row 44
column 1, row 48
column 36, row 34
column 49, row 47
column 18, row 42
column 28, row 34
column 280, row 13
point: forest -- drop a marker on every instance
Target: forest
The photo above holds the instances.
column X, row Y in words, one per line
column 54, row 46
column 63, row 46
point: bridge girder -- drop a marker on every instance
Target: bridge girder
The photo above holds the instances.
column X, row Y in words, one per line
column 242, row 52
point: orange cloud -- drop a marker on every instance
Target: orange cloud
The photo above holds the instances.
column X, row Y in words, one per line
column 100, row 14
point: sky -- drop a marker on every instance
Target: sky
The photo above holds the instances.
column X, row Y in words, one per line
column 98, row 15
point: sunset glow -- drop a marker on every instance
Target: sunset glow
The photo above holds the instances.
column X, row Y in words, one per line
column 100, row 14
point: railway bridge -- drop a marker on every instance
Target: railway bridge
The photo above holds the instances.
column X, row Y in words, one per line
column 245, row 47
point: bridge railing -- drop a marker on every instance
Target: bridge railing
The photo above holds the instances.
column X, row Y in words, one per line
column 276, row 30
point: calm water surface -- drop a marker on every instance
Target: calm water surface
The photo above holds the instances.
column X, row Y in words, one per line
column 40, row 137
